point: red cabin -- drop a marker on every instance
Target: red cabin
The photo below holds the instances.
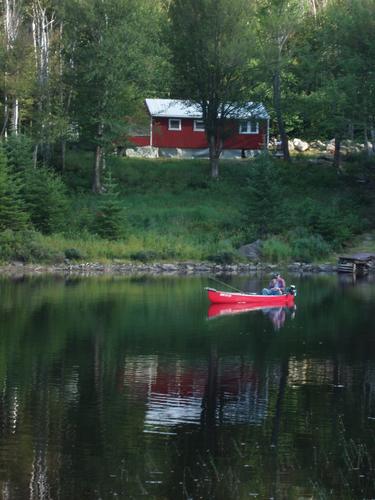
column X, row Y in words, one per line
column 177, row 128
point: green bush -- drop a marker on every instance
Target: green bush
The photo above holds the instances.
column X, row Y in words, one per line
column 25, row 246
column 144, row 256
column 16, row 245
column 73, row 254
column 308, row 247
column 276, row 250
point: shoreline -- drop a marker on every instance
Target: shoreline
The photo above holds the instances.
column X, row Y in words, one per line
column 178, row 269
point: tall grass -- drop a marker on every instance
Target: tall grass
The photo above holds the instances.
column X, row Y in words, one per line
column 174, row 211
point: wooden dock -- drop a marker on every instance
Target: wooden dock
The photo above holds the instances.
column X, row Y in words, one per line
column 359, row 263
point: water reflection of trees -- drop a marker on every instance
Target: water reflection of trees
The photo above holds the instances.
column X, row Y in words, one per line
column 79, row 442
column 260, row 415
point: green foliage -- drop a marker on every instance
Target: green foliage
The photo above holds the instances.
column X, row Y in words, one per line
column 333, row 220
column 297, row 245
column 266, row 196
column 144, row 256
column 303, row 212
column 26, row 246
column 110, row 219
column 41, row 192
column 307, row 247
column 46, row 200
column 211, row 43
column 72, row 254
column 18, row 149
column 152, row 255
column 276, row 250
column 12, row 210
column 317, row 220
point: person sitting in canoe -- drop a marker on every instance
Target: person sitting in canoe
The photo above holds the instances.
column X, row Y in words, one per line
column 276, row 286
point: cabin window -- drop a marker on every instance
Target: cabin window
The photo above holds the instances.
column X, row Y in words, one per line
column 198, row 126
column 249, row 127
column 174, row 124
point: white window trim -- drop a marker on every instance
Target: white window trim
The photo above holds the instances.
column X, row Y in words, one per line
column 175, row 120
column 196, row 128
column 248, row 131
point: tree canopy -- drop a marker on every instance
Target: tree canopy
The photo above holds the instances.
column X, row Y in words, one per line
column 76, row 71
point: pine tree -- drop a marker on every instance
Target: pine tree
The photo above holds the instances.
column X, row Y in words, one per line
column 45, row 197
column 42, row 191
column 19, row 151
column 110, row 222
column 12, row 211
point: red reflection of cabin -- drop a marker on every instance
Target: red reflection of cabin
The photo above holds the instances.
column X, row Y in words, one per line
column 178, row 124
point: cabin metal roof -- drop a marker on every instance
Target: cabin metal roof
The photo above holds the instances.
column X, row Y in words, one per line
column 177, row 108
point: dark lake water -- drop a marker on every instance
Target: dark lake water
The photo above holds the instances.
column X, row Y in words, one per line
column 133, row 388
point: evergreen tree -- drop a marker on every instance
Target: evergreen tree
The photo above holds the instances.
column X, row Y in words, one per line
column 12, row 212
column 42, row 191
column 19, row 151
column 45, row 198
column 110, row 220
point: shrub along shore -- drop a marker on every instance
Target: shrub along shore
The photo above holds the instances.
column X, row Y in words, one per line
column 159, row 212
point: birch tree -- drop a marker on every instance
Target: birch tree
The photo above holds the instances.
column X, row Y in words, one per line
column 12, row 18
column 42, row 23
column 279, row 21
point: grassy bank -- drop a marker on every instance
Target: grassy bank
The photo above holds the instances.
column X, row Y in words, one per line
column 171, row 210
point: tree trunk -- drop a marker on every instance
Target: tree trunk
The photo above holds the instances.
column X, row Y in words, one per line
column 12, row 21
column 351, row 131
column 214, row 168
column 372, row 135
column 35, row 155
column 15, row 116
column 279, row 114
column 42, row 26
column 97, row 177
column 367, row 142
column 214, row 152
column 63, row 155
column 313, row 7
column 6, row 117
column 97, row 183
column 337, row 155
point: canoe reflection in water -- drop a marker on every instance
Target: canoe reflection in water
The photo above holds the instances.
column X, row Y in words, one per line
column 277, row 315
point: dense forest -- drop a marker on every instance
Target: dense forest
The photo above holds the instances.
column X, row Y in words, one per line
column 76, row 73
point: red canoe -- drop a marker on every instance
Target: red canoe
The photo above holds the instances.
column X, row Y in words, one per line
column 216, row 310
column 218, row 297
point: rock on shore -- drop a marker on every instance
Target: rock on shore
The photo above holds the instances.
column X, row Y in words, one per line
column 180, row 268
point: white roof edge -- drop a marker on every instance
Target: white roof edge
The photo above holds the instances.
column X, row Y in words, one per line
column 178, row 108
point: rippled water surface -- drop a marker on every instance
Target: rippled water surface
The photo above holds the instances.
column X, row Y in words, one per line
column 135, row 388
